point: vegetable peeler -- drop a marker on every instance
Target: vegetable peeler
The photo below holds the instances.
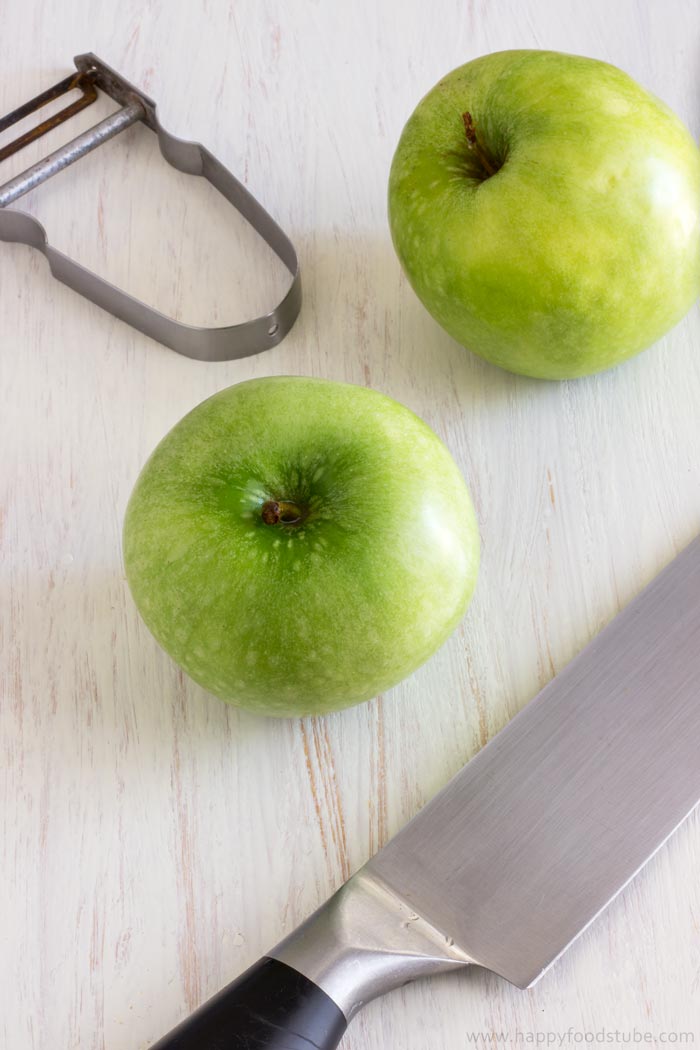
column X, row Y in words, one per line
column 201, row 343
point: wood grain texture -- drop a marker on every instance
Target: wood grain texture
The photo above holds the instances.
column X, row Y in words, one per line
column 155, row 841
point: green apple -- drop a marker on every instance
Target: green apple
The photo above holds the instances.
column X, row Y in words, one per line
column 298, row 545
column 546, row 210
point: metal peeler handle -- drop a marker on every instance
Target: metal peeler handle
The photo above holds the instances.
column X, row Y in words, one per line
column 203, row 344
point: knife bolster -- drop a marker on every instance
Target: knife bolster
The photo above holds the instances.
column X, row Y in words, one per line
column 365, row 941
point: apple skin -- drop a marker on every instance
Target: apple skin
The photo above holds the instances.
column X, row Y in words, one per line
column 305, row 618
column 583, row 248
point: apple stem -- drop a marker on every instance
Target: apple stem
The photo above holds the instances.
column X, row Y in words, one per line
column 276, row 512
column 475, row 146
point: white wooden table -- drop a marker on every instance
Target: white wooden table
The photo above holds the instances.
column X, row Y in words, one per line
column 155, row 841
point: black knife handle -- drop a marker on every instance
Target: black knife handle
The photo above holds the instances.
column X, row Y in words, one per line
column 269, row 1007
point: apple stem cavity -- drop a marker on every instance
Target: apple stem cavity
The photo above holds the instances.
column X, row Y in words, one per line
column 281, row 512
column 475, row 147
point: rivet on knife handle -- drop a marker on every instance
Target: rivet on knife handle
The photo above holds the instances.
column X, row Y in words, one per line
column 203, row 344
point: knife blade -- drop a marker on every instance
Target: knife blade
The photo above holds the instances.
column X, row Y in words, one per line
column 517, row 855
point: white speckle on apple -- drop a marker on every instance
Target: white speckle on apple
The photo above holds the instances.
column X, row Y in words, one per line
column 615, row 106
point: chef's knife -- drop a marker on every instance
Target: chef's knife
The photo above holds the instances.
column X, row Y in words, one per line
column 517, row 855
